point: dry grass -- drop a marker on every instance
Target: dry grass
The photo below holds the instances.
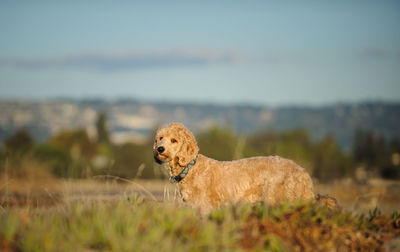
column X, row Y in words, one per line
column 49, row 192
column 46, row 191
column 360, row 198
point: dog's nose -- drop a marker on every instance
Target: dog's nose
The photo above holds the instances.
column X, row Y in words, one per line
column 160, row 149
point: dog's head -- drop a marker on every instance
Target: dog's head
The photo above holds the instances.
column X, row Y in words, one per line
column 175, row 143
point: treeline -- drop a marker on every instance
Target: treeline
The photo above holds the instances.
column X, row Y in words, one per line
column 73, row 154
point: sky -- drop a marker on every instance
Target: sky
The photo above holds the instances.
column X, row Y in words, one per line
column 257, row 52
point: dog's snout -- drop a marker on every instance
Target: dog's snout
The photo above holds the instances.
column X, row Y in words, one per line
column 160, row 149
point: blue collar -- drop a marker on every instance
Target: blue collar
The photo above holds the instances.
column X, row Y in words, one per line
column 182, row 175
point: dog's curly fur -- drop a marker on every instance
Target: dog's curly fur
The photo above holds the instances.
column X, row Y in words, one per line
column 211, row 183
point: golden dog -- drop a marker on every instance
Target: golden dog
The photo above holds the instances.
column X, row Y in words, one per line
column 207, row 183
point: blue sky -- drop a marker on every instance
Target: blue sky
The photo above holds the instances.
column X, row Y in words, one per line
column 260, row 52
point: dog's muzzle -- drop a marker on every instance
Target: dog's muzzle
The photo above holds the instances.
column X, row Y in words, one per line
column 158, row 161
column 155, row 153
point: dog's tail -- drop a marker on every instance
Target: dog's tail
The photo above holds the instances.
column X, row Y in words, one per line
column 328, row 201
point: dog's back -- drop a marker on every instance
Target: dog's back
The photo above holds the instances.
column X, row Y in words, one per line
column 271, row 179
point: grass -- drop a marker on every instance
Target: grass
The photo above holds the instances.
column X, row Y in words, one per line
column 133, row 223
column 105, row 215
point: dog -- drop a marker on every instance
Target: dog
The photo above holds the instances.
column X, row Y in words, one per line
column 207, row 184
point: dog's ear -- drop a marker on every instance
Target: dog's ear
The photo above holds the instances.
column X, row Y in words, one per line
column 188, row 150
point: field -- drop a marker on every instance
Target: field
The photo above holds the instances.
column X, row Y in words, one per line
column 109, row 214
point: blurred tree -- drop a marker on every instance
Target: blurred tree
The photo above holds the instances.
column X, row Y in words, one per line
column 76, row 142
column 217, row 143
column 129, row 157
column 58, row 160
column 19, row 143
column 391, row 165
column 13, row 152
column 70, row 153
column 103, row 135
column 376, row 155
column 294, row 144
column 369, row 149
column 330, row 162
column 105, row 151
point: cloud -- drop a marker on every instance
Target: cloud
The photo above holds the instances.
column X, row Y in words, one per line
column 374, row 53
column 131, row 60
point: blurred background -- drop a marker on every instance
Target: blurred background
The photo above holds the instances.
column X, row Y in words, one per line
column 85, row 84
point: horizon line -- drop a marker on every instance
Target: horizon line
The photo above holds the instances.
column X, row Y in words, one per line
column 194, row 102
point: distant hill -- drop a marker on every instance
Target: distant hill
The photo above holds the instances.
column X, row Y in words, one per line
column 132, row 120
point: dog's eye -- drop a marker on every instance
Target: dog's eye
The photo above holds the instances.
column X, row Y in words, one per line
column 173, row 140
column 160, row 138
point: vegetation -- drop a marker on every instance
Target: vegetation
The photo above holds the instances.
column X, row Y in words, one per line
column 51, row 220
column 133, row 224
column 73, row 154
column 378, row 155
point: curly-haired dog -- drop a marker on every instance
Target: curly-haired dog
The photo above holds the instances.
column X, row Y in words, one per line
column 207, row 183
